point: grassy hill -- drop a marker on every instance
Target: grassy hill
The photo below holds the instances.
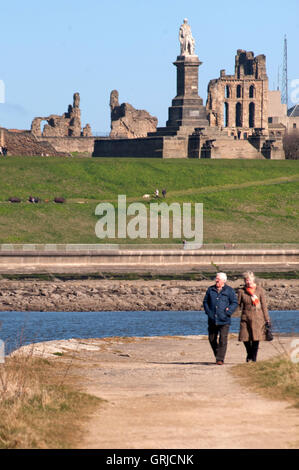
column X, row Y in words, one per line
column 244, row 201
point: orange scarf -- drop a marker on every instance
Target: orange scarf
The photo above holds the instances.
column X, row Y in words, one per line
column 254, row 298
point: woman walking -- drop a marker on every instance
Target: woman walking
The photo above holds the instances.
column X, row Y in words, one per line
column 254, row 315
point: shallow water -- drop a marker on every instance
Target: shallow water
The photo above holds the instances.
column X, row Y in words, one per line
column 20, row 328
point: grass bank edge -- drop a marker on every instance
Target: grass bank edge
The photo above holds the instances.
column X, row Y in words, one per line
column 276, row 378
column 40, row 405
column 145, row 276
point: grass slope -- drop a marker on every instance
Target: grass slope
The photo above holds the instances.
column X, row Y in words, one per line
column 245, row 201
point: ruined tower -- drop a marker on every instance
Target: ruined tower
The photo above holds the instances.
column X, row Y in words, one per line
column 239, row 102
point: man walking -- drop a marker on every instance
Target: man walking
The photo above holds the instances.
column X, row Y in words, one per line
column 219, row 303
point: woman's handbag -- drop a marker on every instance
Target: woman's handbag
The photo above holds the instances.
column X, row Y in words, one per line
column 268, row 331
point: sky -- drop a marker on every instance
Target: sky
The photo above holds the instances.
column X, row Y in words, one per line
column 50, row 50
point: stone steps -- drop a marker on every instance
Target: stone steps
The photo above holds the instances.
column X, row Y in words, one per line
column 240, row 149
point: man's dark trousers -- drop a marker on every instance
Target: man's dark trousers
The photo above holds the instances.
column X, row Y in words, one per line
column 219, row 347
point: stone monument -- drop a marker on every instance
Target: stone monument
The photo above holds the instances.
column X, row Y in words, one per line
column 186, row 39
column 187, row 111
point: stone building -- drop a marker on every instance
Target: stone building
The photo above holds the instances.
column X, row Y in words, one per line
column 293, row 118
column 239, row 102
column 280, row 119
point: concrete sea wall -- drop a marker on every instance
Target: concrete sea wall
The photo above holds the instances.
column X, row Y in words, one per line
column 83, row 260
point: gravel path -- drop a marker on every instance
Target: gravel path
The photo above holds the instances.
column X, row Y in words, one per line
column 168, row 393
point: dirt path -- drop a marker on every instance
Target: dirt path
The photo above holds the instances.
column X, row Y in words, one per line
column 204, row 189
column 168, row 393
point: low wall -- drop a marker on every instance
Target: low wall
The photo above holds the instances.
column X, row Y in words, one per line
column 147, row 147
column 175, row 147
column 70, row 144
column 146, row 260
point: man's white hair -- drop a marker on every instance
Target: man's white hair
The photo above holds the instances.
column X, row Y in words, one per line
column 222, row 276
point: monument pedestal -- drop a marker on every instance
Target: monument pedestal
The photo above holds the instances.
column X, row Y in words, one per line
column 187, row 111
column 187, row 107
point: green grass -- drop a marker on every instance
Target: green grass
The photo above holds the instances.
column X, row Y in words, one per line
column 277, row 378
column 187, row 276
column 245, row 201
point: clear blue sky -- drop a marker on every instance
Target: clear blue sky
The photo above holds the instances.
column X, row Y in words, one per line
column 49, row 50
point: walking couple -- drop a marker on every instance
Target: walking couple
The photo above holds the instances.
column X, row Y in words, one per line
column 220, row 302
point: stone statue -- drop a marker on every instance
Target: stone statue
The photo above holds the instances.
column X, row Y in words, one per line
column 186, row 39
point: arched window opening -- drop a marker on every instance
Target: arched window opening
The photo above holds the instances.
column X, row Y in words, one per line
column 227, row 91
column 239, row 91
column 251, row 114
column 225, row 115
column 238, row 115
column 251, row 91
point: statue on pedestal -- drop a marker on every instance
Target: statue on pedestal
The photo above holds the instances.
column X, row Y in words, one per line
column 186, row 39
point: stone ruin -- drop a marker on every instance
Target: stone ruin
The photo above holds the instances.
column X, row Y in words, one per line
column 239, row 102
column 128, row 122
column 233, row 124
column 67, row 125
column 25, row 143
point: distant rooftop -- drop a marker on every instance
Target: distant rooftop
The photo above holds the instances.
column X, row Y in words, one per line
column 294, row 111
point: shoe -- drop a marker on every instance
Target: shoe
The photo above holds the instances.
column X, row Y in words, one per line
column 219, row 363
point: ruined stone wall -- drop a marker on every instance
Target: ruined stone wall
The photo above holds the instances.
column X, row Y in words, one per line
column 239, row 102
column 128, row 122
column 67, row 125
column 84, row 145
column 24, row 143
